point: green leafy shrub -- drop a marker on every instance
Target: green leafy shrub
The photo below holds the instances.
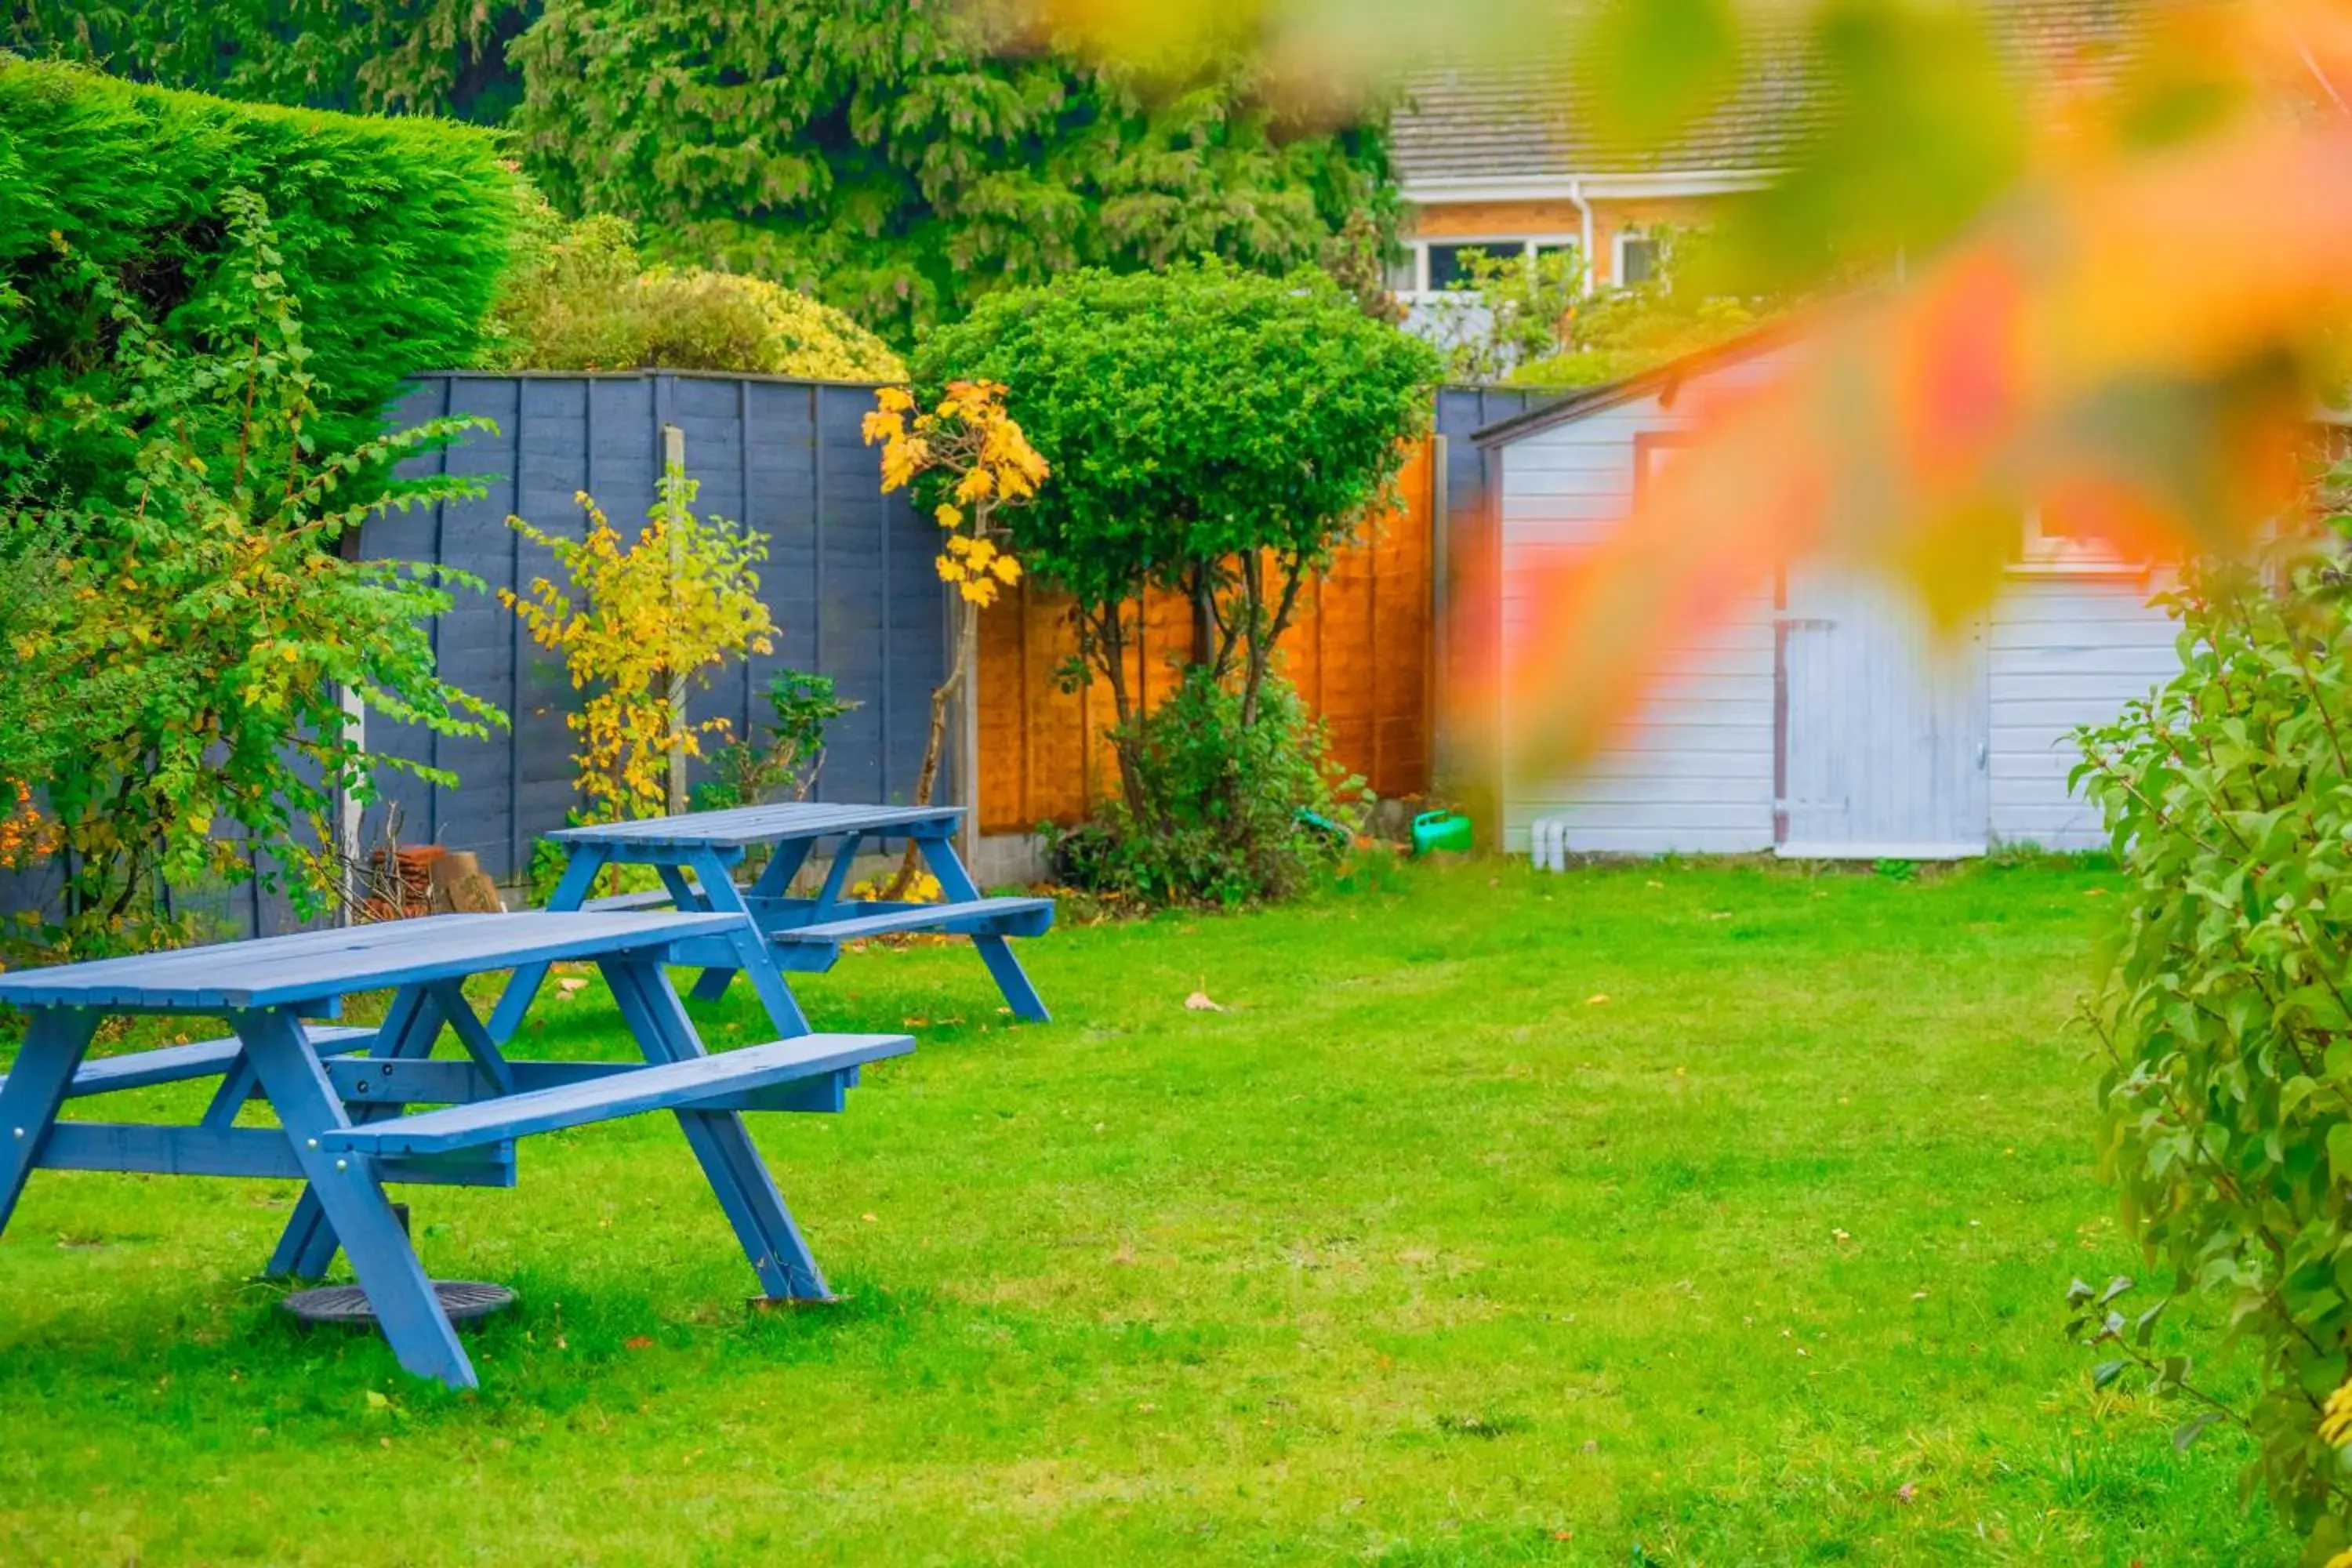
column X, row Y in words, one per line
column 416, row 57
column 390, row 238
column 1221, row 802
column 1220, row 433
column 192, row 658
column 906, row 160
column 1212, row 431
column 558, row 306
column 900, row 160
column 785, row 762
column 2225, row 1017
column 581, row 298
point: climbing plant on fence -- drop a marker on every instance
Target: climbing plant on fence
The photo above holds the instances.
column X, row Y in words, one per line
column 639, row 622
column 185, row 666
column 2225, row 1020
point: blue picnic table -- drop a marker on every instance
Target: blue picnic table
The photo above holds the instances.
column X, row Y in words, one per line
column 695, row 855
column 339, row 1091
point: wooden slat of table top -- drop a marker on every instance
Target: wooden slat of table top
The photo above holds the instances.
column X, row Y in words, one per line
column 743, row 825
column 314, row 965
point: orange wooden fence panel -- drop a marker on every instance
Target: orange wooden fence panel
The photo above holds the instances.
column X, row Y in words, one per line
column 1359, row 651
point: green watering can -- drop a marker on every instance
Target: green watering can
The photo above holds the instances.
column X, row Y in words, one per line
column 1448, row 831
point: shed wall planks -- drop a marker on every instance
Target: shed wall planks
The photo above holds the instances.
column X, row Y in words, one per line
column 2064, row 650
column 1694, row 768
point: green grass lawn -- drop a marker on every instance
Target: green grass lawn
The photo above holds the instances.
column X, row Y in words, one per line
column 1641, row 1215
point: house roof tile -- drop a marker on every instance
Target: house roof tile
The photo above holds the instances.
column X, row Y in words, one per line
column 1487, row 120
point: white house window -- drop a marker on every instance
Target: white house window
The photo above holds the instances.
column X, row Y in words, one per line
column 1449, row 262
column 1434, row 266
column 1637, row 257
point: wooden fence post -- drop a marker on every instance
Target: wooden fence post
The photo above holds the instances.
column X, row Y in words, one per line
column 673, row 457
column 347, row 807
column 967, row 753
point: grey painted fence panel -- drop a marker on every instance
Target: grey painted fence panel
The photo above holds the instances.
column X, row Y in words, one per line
column 848, row 578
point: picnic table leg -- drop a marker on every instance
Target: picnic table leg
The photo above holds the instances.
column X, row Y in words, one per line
column 306, row 1247
column 773, row 882
column 778, row 1253
column 34, row 1088
column 719, row 895
column 579, row 876
column 836, row 876
column 353, row 1200
column 775, row 879
column 938, row 854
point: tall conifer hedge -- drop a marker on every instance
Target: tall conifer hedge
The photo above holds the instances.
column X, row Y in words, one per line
column 391, row 236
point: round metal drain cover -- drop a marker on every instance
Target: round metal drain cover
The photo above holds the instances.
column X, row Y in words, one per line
column 347, row 1306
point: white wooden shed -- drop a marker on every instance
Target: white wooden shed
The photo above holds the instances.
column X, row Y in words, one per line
column 1817, row 721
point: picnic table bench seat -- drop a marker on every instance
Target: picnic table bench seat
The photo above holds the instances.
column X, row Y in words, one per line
column 205, row 1058
column 975, row 917
column 671, row 1086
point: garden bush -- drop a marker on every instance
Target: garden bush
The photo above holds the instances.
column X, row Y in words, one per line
column 1225, row 814
column 1211, row 432
column 182, row 665
column 784, row 765
column 639, row 622
column 580, row 297
column 390, row 235
column 2225, row 1019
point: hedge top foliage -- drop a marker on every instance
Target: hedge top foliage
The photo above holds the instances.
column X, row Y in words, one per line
column 391, row 235
column 579, row 297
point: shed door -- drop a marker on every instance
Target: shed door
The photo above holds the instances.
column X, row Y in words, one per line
column 1882, row 733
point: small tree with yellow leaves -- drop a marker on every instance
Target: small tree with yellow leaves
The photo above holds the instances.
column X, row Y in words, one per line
column 973, row 461
column 639, row 622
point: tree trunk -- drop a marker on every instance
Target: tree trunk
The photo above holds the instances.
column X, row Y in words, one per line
column 1261, row 647
column 967, row 651
column 1111, row 639
column 1204, row 617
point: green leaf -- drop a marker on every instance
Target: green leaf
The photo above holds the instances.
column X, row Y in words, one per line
column 2339, row 1151
column 2189, row 1431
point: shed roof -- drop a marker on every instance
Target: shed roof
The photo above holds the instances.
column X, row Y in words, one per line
column 1487, row 120
column 1659, row 378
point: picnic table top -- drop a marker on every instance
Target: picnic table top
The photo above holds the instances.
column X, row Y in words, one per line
column 316, row 965
column 744, row 824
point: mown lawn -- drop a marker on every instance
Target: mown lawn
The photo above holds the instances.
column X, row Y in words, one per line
column 1660, row 1214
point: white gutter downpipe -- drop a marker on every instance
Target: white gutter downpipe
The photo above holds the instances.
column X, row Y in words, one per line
column 1584, row 210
